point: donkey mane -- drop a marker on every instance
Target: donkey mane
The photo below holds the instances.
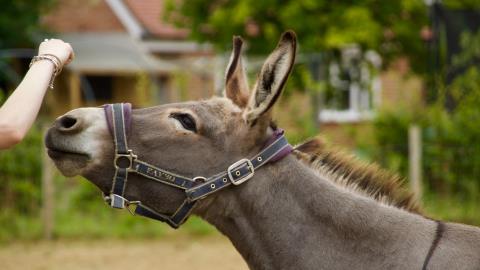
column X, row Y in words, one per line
column 357, row 176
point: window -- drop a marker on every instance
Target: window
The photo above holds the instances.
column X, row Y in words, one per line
column 97, row 88
column 353, row 86
column 162, row 92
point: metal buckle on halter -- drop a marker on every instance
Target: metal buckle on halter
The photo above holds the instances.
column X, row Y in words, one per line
column 117, row 201
column 235, row 175
column 130, row 156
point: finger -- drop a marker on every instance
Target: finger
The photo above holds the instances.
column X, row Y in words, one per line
column 70, row 46
column 72, row 54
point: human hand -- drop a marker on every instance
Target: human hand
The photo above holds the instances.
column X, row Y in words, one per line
column 57, row 47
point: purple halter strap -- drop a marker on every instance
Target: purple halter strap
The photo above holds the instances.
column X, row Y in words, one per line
column 277, row 133
column 127, row 116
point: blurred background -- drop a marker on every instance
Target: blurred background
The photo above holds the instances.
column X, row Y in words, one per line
column 394, row 82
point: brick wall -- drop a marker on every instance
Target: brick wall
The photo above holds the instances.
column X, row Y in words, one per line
column 400, row 88
column 82, row 16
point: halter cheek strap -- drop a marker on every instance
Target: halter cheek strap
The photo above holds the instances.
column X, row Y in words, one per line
column 125, row 161
column 123, row 156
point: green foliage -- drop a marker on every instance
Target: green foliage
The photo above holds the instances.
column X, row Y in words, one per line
column 447, row 137
column 16, row 225
column 471, row 50
column 390, row 27
column 451, row 153
column 392, row 143
column 19, row 21
column 461, row 4
column 20, row 174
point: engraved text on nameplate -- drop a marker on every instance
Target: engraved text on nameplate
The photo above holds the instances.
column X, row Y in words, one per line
column 157, row 173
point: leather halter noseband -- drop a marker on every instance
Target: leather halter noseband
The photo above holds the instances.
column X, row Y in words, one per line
column 125, row 161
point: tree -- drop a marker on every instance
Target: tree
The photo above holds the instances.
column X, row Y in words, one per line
column 19, row 21
column 19, row 25
column 392, row 28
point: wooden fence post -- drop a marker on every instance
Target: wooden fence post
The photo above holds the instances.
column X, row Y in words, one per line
column 415, row 159
column 48, row 210
column 75, row 91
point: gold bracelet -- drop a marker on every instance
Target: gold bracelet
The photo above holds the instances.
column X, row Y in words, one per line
column 56, row 63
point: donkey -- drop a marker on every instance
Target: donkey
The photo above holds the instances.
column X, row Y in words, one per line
column 302, row 210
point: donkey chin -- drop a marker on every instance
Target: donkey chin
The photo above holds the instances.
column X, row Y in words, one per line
column 70, row 162
column 66, row 140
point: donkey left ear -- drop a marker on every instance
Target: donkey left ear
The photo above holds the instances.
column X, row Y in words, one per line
column 236, row 84
column 272, row 79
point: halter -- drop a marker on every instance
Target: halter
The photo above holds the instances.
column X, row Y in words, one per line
column 125, row 161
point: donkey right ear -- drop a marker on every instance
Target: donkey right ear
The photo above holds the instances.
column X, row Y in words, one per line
column 236, row 85
column 272, row 79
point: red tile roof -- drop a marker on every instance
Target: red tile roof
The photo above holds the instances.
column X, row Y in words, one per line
column 82, row 16
column 150, row 14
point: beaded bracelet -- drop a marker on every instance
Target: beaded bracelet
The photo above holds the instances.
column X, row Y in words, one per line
column 56, row 63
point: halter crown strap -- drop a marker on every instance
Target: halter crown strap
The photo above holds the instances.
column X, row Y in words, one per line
column 118, row 118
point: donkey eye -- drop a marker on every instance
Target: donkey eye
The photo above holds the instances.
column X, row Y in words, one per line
column 187, row 121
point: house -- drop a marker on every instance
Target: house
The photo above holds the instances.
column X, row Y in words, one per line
column 125, row 52
column 395, row 88
column 357, row 92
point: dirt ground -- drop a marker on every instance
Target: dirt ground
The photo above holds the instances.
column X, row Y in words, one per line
column 212, row 252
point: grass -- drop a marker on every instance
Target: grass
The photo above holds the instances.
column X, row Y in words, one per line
column 104, row 223
column 98, row 221
column 17, row 226
column 451, row 208
column 81, row 213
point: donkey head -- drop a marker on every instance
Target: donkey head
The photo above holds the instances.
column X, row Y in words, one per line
column 197, row 138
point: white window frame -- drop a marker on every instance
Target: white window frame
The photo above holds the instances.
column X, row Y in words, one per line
column 361, row 102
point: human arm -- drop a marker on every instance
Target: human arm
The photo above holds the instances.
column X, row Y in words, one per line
column 18, row 113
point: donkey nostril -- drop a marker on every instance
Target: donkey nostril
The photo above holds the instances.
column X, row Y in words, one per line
column 67, row 122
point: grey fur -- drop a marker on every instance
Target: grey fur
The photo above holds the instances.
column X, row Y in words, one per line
column 286, row 217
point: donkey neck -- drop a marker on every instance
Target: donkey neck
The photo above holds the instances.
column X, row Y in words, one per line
column 288, row 217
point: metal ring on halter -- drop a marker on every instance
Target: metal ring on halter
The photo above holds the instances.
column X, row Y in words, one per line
column 200, row 179
column 130, row 209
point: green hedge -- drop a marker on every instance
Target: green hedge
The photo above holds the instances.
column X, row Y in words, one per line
column 20, row 174
column 451, row 148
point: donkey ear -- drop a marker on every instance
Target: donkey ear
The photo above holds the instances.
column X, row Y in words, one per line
column 272, row 78
column 236, row 85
